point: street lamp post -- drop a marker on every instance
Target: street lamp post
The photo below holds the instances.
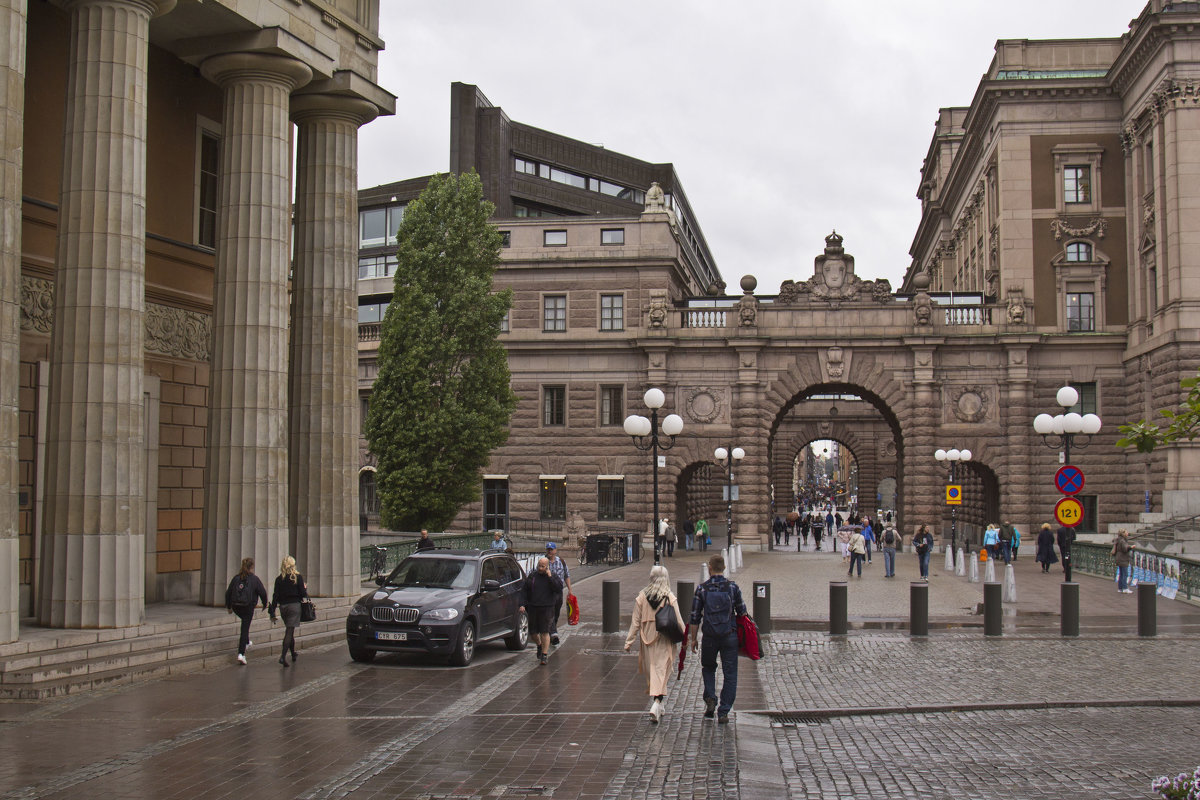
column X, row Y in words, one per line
column 729, row 455
column 1067, row 426
column 953, row 455
column 645, row 437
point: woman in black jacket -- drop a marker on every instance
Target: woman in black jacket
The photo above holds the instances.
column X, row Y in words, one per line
column 289, row 591
column 240, row 598
column 1045, row 547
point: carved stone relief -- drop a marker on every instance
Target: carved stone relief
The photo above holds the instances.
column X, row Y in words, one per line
column 704, row 404
column 834, row 280
column 969, row 403
column 1061, row 227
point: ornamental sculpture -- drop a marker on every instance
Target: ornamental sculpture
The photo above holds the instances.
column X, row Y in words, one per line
column 834, row 280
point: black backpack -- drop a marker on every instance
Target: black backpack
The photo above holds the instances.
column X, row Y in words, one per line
column 241, row 593
column 718, row 612
column 889, row 537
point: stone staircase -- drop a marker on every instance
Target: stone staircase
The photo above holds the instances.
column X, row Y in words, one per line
column 176, row 638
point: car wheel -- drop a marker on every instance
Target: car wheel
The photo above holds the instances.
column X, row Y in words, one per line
column 362, row 655
column 520, row 636
column 466, row 645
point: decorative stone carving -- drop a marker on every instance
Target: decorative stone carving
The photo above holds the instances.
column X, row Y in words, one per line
column 170, row 331
column 747, row 311
column 658, row 311
column 656, row 202
column 923, row 310
column 1061, row 227
column 1016, row 307
column 969, row 403
column 834, row 362
column 834, row 280
column 175, row 332
column 37, row 305
column 703, row 404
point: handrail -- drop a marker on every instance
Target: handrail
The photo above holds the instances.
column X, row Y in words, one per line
column 1097, row 559
column 397, row 551
column 1172, row 525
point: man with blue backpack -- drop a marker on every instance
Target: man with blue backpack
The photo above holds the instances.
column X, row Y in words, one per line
column 715, row 608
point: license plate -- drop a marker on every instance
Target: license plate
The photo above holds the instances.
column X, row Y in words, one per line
column 391, row 637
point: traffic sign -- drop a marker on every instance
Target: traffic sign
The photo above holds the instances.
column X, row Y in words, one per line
column 1069, row 479
column 1068, row 512
column 953, row 495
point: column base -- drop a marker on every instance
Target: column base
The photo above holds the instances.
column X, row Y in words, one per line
column 99, row 583
column 10, row 594
column 328, row 558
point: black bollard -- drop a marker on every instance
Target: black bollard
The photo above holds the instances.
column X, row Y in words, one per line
column 918, row 608
column 1147, row 609
column 838, row 592
column 611, row 602
column 993, row 610
column 685, row 591
column 1070, row 608
column 762, row 606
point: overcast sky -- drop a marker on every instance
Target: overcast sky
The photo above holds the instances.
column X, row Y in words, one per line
column 784, row 120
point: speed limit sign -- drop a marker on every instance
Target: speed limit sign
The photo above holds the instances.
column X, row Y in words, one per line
column 1068, row 512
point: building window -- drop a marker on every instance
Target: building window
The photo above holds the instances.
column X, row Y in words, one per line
column 520, row 210
column 505, row 321
column 612, row 312
column 378, row 226
column 554, row 312
column 1079, row 252
column 610, row 496
column 554, row 406
column 371, row 312
column 1081, row 311
column 612, row 405
column 1087, row 398
column 612, row 236
column 554, row 238
column 525, row 167
column 1089, row 523
column 506, row 238
column 364, row 408
column 210, row 165
column 376, row 267
column 553, row 503
column 1077, row 184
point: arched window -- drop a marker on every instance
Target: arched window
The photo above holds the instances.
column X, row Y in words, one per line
column 1079, row 252
column 367, row 498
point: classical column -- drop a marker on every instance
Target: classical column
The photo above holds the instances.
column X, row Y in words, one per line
column 323, row 382
column 12, row 125
column 245, row 480
column 92, row 550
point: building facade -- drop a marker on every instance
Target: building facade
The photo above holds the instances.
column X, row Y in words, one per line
column 156, row 428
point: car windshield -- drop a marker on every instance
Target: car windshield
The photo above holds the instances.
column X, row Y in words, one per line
column 436, row 573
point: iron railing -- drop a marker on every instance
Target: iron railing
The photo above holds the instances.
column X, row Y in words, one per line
column 1096, row 559
column 397, row 551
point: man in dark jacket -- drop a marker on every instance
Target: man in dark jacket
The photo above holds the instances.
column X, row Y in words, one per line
column 1065, row 537
column 425, row 543
column 715, row 608
column 541, row 589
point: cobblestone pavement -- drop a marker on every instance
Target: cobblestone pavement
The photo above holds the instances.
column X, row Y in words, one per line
column 870, row 715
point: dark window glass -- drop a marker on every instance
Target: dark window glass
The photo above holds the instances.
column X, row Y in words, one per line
column 612, row 405
column 372, row 227
column 210, row 165
column 491, row 570
column 554, row 312
column 1081, row 312
column 612, row 312
column 1087, row 398
column 395, row 217
column 506, row 238
column 368, row 499
column 610, row 505
column 569, row 178
column 554, row 499
column 504, row 322
column 371, row 312
column 554, row 238
column 1079, row 252
column 1090, row 523
column 554, row 405
column 1077, row 184
column 612, row 236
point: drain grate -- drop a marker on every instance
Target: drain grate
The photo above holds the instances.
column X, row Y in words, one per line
column 796, row 720
column 593, row 652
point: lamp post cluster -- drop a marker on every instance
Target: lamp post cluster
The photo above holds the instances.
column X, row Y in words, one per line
column 729, row 455
column 645, row 434
column 1068, row 425
column 953, row 455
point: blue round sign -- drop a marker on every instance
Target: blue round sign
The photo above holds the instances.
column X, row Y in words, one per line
column 1069, row 479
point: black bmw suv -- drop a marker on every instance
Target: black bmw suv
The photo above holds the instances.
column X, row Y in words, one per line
column 443, row 602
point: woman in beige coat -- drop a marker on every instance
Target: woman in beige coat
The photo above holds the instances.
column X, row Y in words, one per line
column 658, row 653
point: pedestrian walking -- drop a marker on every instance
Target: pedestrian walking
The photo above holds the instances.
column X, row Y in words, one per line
column 888, row 540
column 240, row 598
column 868, row 534
column 1045, row 548
column 805, row 524
column 425, row 543
column 858, row 552
column 843, row 537
column 537, row 601
column 1006, row 540
column 787, row 532
column 717, row 602
column 558, row 568
column 818, row 530
column 1121, row 552
column 657, row 653
column 689, row 534
column 991, row 541
column 777, row 528
column 1066, row 537
column 287, row 595
column 702, row 534
column 1016, row 541
column 669, row 536
column 923, row 545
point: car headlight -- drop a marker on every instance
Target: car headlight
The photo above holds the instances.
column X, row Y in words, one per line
column 441, row 614
column 359, row 610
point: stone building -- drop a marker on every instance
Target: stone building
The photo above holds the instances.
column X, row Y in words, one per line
column 1055, row 247
column 148, row 401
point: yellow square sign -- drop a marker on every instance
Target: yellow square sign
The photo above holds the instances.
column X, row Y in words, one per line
column 953, row 495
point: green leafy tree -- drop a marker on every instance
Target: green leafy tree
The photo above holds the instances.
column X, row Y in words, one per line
column 1181, row 424
column 441, row 402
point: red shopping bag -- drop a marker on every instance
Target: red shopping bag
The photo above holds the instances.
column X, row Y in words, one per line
column 749, row 645
column 572, row 609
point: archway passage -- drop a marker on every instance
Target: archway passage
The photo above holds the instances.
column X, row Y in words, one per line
column 980, row 507
column 700, row 494
column 868, row 448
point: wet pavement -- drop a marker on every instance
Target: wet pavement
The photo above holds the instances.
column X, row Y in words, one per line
column 872, row 714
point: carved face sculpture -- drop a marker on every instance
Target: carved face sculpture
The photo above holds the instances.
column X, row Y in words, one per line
column 834, row 270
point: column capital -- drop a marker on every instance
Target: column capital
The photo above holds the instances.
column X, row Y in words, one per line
column 306, row 107
column 156, row 8
column 229, row 67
